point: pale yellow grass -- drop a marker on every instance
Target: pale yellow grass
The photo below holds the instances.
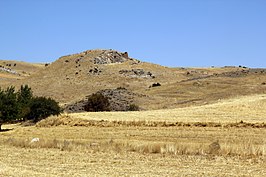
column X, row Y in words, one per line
column 54, row 163
column 131, row 151
column 250, row 109
column 70, row 147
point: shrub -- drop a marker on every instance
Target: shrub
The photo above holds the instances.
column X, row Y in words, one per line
column 133, row 107
column 41, row 107
column 97, row 102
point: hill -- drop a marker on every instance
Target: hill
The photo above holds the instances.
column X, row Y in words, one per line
column 71, row 78
column 11, row 70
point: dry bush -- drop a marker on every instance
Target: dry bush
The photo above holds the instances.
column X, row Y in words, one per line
column 58, row 120
column 69, row 120
column 64, row 145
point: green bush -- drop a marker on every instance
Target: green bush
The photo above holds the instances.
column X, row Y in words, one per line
column 9, row 110
column 21, row 105
column 41, row 107
column 97, row 102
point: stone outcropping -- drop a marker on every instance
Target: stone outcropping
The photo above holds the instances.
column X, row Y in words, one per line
column 111, row 56
column 8, row 70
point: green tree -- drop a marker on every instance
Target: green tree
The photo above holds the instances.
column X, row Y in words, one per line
column 24, row 98
column 9, row 110
column 41, row 107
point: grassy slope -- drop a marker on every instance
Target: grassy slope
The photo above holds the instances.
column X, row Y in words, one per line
column 23, row 70
column 179, row 89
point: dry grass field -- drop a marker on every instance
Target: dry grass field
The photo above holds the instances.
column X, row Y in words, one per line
column 226, row 138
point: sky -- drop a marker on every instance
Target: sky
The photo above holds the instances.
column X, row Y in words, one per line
column 174, row 33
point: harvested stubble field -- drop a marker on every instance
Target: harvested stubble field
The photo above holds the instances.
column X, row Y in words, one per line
column 178, row 142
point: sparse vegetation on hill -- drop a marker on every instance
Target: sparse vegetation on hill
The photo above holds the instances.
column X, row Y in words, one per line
column 73, row 77
column 119, row 99
column 97, row 102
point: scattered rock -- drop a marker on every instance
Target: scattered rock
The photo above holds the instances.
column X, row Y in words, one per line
column 8, row 70
column 155, row 85
column 95, row 70
column 137, row 73
column 34, row 140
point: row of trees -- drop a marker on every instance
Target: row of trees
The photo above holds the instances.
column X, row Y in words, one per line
column 22, row 105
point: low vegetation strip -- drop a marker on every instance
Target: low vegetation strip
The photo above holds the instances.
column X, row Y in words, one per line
column 69, row 121
column 118, row 146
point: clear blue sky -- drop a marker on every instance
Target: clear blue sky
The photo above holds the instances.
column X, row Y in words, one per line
column 167, row 32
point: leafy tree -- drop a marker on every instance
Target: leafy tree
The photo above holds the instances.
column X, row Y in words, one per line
column 42, row 107
column 97, row 102
column 24, row 98
column 9, row 110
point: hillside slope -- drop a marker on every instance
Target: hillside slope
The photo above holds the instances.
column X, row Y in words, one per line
column 11, row 71
column 71, row 78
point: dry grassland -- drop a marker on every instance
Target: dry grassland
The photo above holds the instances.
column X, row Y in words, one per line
column 246, row 108
column 95, row 144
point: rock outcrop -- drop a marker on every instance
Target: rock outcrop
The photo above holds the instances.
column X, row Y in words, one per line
column 111, row 56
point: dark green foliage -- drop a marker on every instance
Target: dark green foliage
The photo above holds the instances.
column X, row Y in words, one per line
column 24, row 98
column 41, row 107
column 24, row 94
column 21, row 105
column 133, row 107
column 97, row 102
column 8, row 105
